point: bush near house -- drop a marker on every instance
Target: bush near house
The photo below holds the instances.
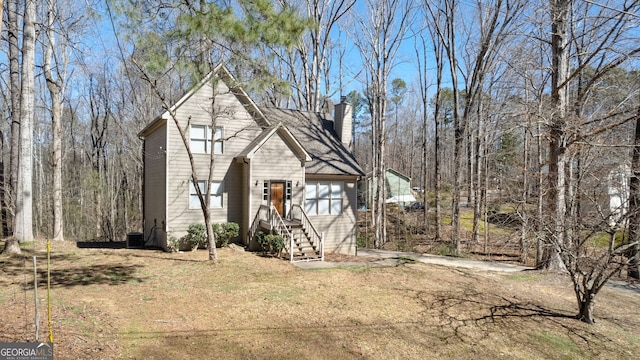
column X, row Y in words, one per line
column 173, row 243
column 224, row 232
column 271, row 244
column 196, row 236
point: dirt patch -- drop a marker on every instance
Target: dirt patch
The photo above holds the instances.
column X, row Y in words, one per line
column 133, row 304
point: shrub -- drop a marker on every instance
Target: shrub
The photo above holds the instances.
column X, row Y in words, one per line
column 173, row 243
column 276, row 244
column 196, row 236
column 224, row 232
column 271, row 244
column 362, row 241
column 260, row 236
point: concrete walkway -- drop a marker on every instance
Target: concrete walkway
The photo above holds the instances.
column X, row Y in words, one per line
column 392, row 258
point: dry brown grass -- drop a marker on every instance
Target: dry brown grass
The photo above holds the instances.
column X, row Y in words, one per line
column 144, row 304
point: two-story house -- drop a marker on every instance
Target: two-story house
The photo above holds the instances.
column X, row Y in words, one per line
column 280, row 170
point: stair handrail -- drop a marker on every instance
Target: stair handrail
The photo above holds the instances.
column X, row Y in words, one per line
column 261, row 215
column 277, row 223
column 317, row 238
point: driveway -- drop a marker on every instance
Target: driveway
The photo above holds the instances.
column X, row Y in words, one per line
column 390, row 258
column 393, row 258
column 442, row 260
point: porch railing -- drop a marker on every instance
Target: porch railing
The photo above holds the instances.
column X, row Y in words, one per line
column 316, row 238
column 267, row 214
column 261, row 215
column 279, row 227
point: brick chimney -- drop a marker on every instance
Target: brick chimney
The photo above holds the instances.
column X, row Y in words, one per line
column 342, row 121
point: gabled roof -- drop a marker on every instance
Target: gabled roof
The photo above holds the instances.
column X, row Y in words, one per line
column 266, row 134
column 318, row 137
column 312, row 134
column 225, row 76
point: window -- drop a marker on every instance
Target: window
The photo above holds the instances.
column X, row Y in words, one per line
column 323, row 198
column 265, row 191
column 215, row 200
column 200, row 139
column 217, row 143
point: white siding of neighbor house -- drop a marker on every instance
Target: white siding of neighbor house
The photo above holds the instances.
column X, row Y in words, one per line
column 339, row 230
column 239, row 128
column 155, row 175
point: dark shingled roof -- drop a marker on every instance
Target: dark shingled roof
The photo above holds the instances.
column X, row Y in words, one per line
column 317, row 136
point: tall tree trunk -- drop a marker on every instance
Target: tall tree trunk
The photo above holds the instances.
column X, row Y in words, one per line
column 380, row 195
column 524, row 230
column 4, row 227
column 471, row 144
column 55, row 89
column 634, row 205
column 4, row 211
column 540, row 203
column 485, row 191
column 14, row 81
column 556, row 200
column 437, row 142
column 459, row 135
column 23, row 230
column 477, row 190
column 437, row 169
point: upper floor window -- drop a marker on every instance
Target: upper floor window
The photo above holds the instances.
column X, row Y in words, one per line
column 201, row 139
column 323, row 198
column 215, row 200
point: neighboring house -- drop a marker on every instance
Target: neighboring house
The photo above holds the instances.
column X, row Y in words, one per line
column 284, row 171
column 618, row 190
column 398, row 189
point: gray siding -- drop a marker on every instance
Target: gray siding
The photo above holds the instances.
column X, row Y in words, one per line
column 155, row 175
column 339, row 230
column 239, row 130
column 275, row 161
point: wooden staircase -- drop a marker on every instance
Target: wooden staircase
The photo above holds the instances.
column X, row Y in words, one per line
column 302, row 241
column 303, row 247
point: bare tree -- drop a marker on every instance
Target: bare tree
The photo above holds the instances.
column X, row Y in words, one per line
column 634, row 204
column 494, row 21
column 581, row 38
column 23, row 229
column 421, row 48
column 313, row 53
column 13, row 36
column 378, row 35
column 55, row 78
column 434, row 25
column 4, row 228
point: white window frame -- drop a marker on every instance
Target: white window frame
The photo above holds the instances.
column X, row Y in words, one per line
column 215, row 200
column 324, row 198
column 200, row 139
